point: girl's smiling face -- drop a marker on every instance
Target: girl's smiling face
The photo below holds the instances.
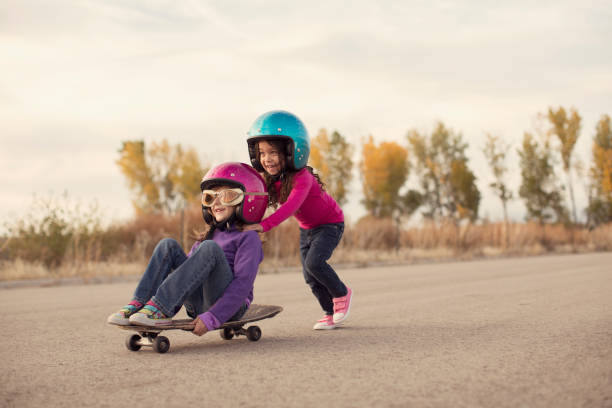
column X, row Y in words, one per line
column 220, row 211
column 271, row 157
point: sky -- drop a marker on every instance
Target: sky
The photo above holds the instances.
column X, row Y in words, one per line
column 78, row 77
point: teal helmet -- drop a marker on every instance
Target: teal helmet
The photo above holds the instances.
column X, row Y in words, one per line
column 280, row 125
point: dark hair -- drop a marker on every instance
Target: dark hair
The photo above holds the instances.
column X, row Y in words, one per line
column 286, row 175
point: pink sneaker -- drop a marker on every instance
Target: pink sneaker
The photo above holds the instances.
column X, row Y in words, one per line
column 342, row 306
column 326, row 323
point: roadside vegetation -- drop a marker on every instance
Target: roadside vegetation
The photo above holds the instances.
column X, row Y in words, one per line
column 428, row 177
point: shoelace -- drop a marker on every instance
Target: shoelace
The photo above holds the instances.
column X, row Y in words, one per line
column 127, row 311
column 151, row 313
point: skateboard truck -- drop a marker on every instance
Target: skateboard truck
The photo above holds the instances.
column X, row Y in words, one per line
column 147, row 338
column 252, row 333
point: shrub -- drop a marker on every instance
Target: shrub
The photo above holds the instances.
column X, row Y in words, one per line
column 51, row 228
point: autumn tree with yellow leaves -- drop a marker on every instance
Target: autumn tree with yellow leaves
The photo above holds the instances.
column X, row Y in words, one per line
column 332, row 159
column 599, row 210
column 384, row 170
column 566, row 127
column 162, row 177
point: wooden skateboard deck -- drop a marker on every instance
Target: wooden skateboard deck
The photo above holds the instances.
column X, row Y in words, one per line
column 149, row 336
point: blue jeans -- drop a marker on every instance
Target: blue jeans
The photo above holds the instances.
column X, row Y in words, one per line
column 316, row 247
column 173, row 279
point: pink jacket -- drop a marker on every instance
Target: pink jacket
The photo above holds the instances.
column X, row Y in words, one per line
column 307, row 202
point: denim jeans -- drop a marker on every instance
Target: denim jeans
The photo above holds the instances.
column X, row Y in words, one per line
column 316, row 247
column 173, row 279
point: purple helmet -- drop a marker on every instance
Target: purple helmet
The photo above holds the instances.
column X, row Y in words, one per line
column 243, row 176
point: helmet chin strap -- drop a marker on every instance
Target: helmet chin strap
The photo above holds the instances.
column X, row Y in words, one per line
column 215, row 225
column 225, row 224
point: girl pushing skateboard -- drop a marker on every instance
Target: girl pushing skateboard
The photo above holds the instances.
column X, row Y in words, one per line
column 215, row 279
column 279, row 146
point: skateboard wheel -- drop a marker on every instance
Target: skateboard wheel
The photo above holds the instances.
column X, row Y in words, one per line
column 253, row 333
column 132, row 342
column 161, row 344
column 227, row 333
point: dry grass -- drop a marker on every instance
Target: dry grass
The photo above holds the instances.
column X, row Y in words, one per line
column 123, row 250
column 374, row 241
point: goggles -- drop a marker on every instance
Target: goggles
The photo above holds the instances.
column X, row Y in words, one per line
column 228, row 197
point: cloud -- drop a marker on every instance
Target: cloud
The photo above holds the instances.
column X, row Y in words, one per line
column 31, row 18
column 80, row 76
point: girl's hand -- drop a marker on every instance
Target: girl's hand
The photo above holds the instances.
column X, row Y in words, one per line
column 253, row 227
column 200, row 327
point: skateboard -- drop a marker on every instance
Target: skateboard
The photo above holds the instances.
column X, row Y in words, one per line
column 149, row 336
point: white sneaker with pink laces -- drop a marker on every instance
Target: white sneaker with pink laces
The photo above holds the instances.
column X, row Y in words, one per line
column 342, row 306
column 326, row 323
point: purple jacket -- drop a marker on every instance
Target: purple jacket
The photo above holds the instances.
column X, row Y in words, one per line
column 244, row 253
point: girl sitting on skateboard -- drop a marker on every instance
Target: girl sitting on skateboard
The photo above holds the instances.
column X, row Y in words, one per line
column 279, row 147
column 215, row 279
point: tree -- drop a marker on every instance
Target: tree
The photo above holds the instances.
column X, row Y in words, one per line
column 495, row 152
column 447, row 185
column 542, row 195
column 599, row 209
column 319, row 149
column 332, row 161
column 162, row 177
column 567, row 130
column 384, row 170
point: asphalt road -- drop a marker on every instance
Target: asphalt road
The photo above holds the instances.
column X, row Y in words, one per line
column 529, row 332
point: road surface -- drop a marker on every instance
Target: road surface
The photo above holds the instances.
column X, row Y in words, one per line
column 525, row 332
